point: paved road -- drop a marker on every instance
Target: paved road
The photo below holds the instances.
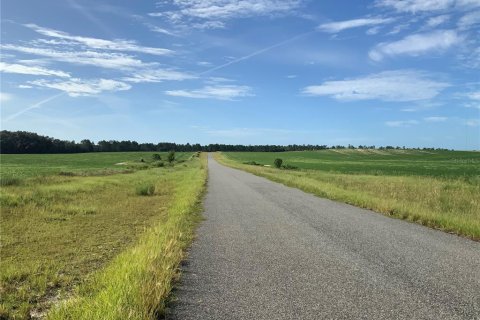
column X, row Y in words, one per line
column 266, row 251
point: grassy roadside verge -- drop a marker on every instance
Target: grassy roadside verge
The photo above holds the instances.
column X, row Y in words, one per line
column 136, row 284
column 97, row 247
column 449, row 205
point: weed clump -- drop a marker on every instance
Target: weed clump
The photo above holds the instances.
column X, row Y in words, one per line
column 145, row 190
column 67, row 173
column 10, row 181
column 278, row 163
column 171, row 156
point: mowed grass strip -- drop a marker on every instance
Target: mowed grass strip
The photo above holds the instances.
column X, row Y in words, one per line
column 444, row 202
column 96, row 247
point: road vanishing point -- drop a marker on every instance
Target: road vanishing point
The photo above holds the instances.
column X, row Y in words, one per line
column 267, row 251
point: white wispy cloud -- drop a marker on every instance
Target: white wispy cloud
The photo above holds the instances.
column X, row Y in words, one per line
column 4, row 97
column 397, row 85
column 334, row 27
column 32, row 70
column 157, row 75
column 102, row 44
column 419, row 6
column 469, row 20
column 435, row 119
column 474, row 95
column 109, row 60
column 470, row 58
column 204, row 63
column 438, row 20
column 77, row 87
column 212, row 14
column 417, row 44
column 474, row 98
column 373, row 31
column 161, row 30
column 34, row 62
column 401, row 123
column 219, row 92
column 472, row 122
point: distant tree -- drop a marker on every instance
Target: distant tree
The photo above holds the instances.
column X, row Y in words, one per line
column 86, row 145
column 171, row 156
column 156, row 157
column 278, row 163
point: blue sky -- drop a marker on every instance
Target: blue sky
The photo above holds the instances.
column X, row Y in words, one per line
column 383, row 72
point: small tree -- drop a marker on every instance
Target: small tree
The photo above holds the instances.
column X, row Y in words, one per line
column 171, row 156
column 156, row 157
column 278, row 163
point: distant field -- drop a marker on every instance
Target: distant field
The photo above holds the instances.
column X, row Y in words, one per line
column 105, row 239
column 440, row 189
column 448, row 164
column 24, row 166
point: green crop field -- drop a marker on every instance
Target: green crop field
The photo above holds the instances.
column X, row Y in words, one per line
column 448, row 164
column 84, row 237
column 440, row 189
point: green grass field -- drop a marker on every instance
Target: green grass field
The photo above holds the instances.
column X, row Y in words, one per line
column 440, row 189
column 82, row 239
column 21, row 166
column 439, row 164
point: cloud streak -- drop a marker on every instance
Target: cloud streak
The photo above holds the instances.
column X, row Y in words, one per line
column 334, row 27
column 219, row 92
column 397, row 85
column 157, row 75
column 78, row 87
column 419, row 6
column 99, row 59
column 32, row 70
column 212, row 14
column 417, row 44
column 101, row 44
column 435, row 119
column 401, row 123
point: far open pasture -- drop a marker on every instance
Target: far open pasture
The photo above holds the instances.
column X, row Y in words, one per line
column 448, row 164
column 20, row 166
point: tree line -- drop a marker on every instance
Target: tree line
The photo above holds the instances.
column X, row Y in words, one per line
column 30, row 142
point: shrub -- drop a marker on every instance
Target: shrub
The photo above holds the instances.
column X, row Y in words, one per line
column 289, row 167
column 171, row 156
column 159, row 164
column 145, row 190
column 156, row 157
column 278, row 163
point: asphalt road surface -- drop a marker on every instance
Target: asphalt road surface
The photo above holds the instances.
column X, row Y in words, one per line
column 267, row 251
